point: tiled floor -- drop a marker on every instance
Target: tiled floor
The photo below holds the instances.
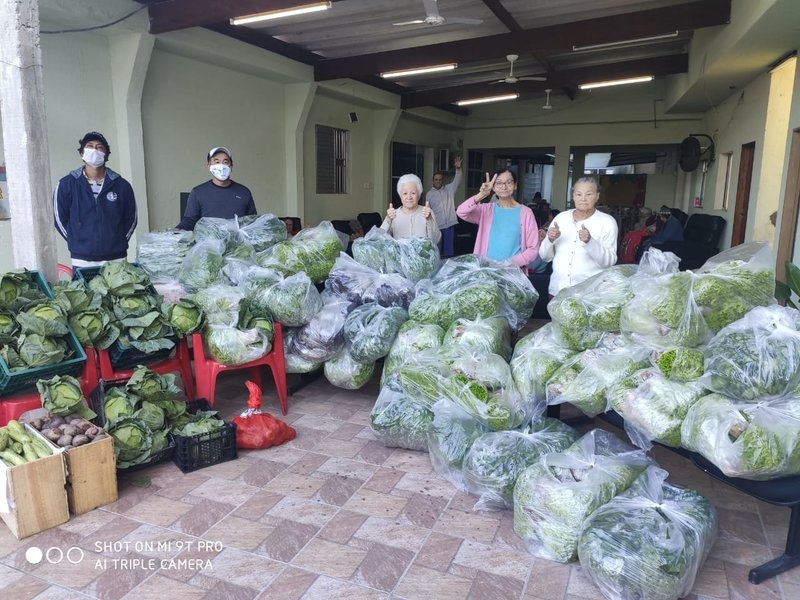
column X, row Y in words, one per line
column 335, row 514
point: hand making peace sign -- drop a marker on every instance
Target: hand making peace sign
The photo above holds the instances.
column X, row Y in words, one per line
column 487, row 186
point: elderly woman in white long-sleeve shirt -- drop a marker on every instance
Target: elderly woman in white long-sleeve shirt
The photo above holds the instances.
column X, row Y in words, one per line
column 580, row 242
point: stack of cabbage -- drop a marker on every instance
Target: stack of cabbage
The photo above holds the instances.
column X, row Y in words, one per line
column 33, row 328
column 138, row 311
column 140, row 414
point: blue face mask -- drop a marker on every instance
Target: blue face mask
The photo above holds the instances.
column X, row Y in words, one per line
column 221, row 172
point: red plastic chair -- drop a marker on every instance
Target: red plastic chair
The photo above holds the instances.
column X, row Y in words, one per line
column 64, row 272
column 180, row 361
column 207, row 369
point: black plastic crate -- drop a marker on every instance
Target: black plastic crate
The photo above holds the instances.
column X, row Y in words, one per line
column 205, row 449
column 123, row 356
column 96, row 399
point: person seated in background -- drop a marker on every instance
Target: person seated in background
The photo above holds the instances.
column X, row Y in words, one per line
column 411, row 219
column 356, row 232
column 290, row 230
column 646, row 218
column 670, row 230
column 667, row 229
column 645, row 227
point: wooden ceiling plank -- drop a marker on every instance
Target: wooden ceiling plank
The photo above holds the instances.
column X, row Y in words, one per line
column 182, row 14
column 265, row 42
column 660, row 66
column 681, row 17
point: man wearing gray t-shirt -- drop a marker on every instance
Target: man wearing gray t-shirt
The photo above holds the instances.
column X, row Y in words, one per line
column 220, row 197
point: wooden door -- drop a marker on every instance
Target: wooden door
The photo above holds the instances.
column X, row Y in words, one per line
column 743, row 193
column 784, row 249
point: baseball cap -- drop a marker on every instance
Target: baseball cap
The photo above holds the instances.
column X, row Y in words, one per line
column 216, row 149
column 665, row 210
column 94, row 136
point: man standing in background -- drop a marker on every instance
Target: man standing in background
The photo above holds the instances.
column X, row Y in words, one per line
column 442, row 201
column 219, row 197
column 94, row 207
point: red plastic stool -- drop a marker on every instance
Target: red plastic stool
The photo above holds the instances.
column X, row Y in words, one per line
column 12, row 407
column 207, row 369
column 180, row 362
column 90, row 377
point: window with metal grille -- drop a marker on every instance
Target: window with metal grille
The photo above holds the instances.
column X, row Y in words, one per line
column 332, row 150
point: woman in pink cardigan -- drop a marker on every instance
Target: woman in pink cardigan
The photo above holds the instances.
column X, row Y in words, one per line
column 507, row 230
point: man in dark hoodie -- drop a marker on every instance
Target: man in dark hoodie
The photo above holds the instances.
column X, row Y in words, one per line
column 94, row 207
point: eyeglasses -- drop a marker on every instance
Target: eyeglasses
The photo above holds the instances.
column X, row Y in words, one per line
column 505, row 184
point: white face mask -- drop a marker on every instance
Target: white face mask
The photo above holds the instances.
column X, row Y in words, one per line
column 93, row 158
column 221, row 172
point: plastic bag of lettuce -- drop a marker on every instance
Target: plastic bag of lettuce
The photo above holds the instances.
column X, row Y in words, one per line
column 553, row 496
column 413, row 258
column 473, row 286
column 291, row 300
column 687, row 308
column 370, row 330
column 653, row 406
column 361, row 284
column 412, row 338
column 495, row 459
column 399, row 420
column 583, row 313
column 344, row 371
column 752, row 441
column 313, row 250
column 482, row 385
column 650, row 541
column 537, row 356
column 756, row 357
column 492, row 335
column 584, row 379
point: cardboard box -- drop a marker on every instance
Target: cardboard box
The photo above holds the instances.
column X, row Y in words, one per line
column 91, row 475
column 91, row 470
column 33, row 496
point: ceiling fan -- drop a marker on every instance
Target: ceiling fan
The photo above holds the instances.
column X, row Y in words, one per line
column 432, row 17
column 547, row 105
column 511, row 78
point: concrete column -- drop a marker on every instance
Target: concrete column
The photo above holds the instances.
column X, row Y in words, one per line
column 130, row 58
column 25, row 137
column 383, row 128
column 298, row 98
column 560, row 177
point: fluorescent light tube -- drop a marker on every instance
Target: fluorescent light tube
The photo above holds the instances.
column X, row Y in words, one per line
column 487, row 99
column 419, row 71
column 278, row 14
column 652, row 38
column 600, row 84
